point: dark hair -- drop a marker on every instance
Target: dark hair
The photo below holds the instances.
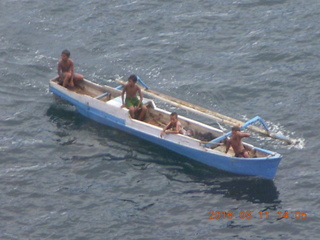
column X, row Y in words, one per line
column 174, row 114
column 66, row 52
column 133, row 78
column 235, row 129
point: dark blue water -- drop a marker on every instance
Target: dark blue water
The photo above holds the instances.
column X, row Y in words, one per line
column 63, row 176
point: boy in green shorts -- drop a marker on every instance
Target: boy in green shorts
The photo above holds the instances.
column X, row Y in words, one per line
column 132, row 102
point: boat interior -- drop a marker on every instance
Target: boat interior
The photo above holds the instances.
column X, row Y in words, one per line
column 201, row 132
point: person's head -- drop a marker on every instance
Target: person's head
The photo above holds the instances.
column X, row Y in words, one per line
column 235, row 129
column 65, row 54
column 174, row 117
column 133, row 79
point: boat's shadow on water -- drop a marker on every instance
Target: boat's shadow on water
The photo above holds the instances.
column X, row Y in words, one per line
column 251, row 189
column 233, row 186
column 64, row 115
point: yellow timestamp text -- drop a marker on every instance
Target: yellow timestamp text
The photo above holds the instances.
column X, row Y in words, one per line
column 258, row 215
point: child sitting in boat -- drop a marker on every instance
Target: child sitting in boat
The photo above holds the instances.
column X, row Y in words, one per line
column 174, row 126
column 236, row 143
column 66, row 70
column 132, row 102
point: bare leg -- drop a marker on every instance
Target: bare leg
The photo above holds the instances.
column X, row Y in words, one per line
column 143, row 112
column 71, row 84
column 245, row 154
column 77, row 78
column 131, row 111
column 66, row 79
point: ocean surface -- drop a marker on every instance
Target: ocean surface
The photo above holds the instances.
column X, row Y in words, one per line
column 63, row 176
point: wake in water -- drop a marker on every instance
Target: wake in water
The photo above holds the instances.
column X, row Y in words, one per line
column 298, row 143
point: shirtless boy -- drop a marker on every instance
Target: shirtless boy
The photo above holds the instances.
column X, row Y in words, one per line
column 132, row 102
column 235, row 142
column 174, row 126
column 66, row 70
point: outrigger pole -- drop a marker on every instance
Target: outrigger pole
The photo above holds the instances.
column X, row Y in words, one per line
column 213, row 115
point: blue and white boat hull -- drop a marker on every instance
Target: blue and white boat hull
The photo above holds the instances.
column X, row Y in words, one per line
column 111, row 114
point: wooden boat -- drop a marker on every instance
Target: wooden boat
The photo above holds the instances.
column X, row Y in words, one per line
column 204, row 144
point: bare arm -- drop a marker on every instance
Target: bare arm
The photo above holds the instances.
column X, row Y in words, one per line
column 140, row 95
column 227, row 145
column 122, row 95
column 177, row 129
column 71, row 69
column 164, row 129
column 172, row 131
column 59, row 70
column 242, row 134
column 167, row 126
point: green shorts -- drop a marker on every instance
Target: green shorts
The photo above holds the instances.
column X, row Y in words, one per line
column 132, row 102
